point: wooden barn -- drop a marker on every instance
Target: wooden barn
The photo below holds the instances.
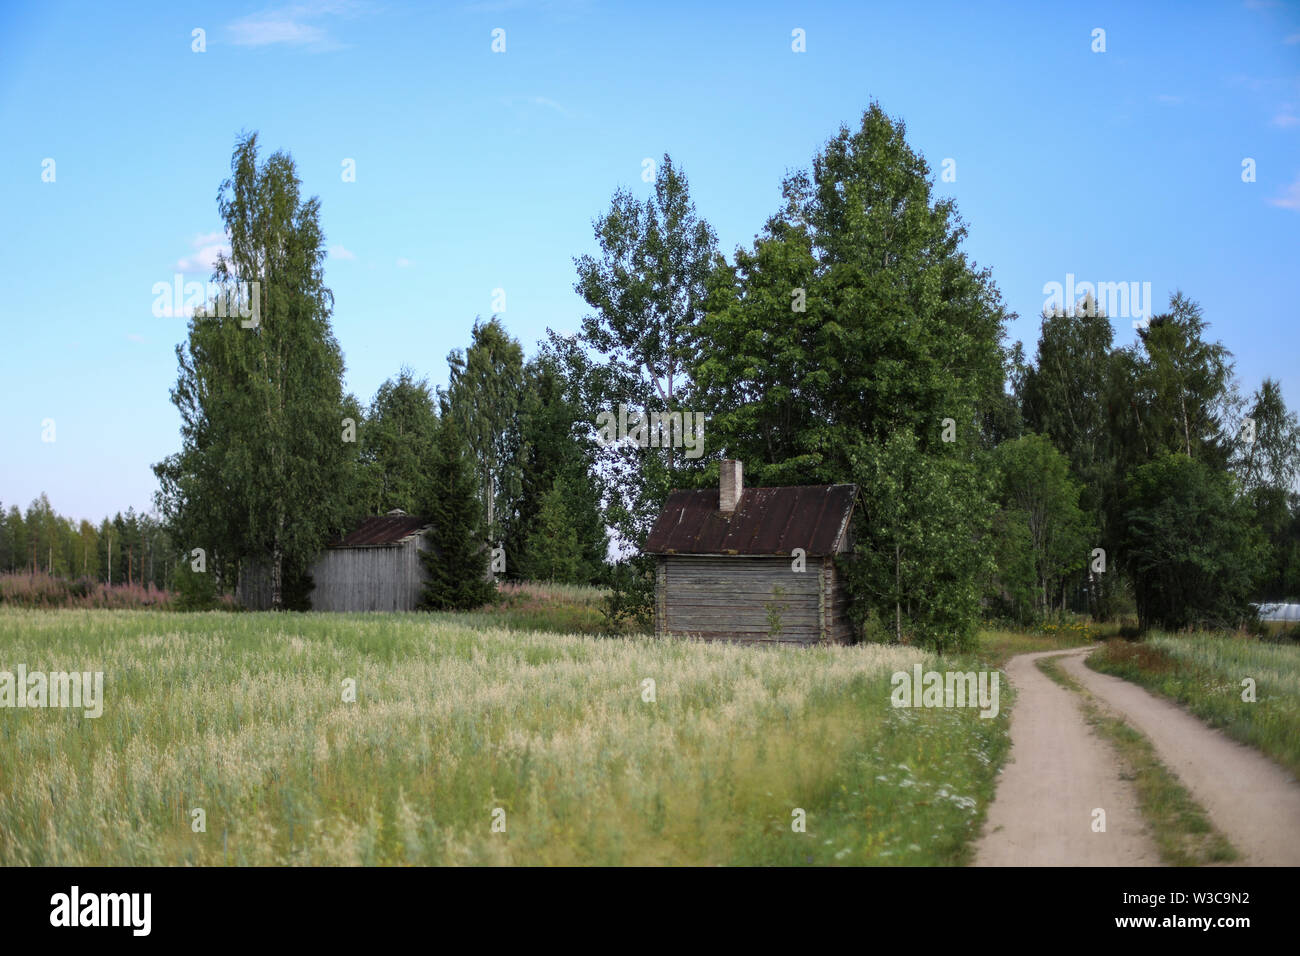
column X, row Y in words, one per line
column 726, row 565
column 376, row 567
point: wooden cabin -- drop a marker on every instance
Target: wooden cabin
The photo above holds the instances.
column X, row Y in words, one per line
column 727, row 566
column 375, row 567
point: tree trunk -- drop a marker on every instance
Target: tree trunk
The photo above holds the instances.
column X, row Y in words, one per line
column 277, row 565
column 898, row 595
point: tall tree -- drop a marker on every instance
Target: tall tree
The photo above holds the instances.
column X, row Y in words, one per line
column 554, row 448
column 457, row 558
column 853, row 335
column 263, row 463
column 1193, row 552
column 397, row 443
column 647, row 289
column 1068, row 395
column 1039, row 507
column 483, row 392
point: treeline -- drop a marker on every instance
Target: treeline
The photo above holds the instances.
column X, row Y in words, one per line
column 126, row 549
column 852, row 341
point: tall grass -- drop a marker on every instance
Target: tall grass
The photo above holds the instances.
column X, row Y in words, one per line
column 1206, row 672
column 243, row 716
column 44, row 590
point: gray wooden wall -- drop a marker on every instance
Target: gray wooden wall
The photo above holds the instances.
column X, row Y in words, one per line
column 369, row 579
column 728, row 598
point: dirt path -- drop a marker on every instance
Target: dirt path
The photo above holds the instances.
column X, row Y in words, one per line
column 1253, row 801
column 1059, row 771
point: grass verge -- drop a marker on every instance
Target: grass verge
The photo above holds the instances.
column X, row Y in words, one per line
column 1216, row 676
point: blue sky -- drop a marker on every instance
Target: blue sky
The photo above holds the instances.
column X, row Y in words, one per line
column 478, row 170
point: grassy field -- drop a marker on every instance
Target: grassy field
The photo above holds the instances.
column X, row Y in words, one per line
column 1206, row 672
column 243, row 716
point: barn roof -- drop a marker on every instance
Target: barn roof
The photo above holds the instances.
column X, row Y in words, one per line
column 767, row 521
column 381, row 531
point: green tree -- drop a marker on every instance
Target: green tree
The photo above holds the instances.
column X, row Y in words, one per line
column 1190, row 545
column 262, row 472
column 646, row 289
column 856, row 342
column 457, row 558
column 1039, row 512
column 397, row 441
column 552, row 552
column 484, row 389
column 917, row 568
column 1067, row 395
column 554, row 446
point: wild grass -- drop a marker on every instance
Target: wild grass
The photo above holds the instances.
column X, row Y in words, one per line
column 999, row 646
column 1180, row 827
column 535, row 606
column 1208, row 673
column 44, row 590
column 244, row 717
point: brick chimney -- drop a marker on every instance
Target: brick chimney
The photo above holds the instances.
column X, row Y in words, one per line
column 731, row 485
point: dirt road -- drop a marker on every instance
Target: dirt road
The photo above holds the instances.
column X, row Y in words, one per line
column 1253, row 801
column 1058, row 774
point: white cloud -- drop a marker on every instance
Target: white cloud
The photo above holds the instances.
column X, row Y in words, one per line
column 1290, row 198
column 299, row 25
column 338, row 252
column 206, row 246
column 403, row 263
column 135, row 338
column 1285, row 119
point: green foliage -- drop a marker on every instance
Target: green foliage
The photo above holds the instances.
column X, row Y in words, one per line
column 552, row 552
column 900, row 333
column 262, row 472
column 195, row 590
column 920, row 558
column 1190, row 546
column 397, row 440
column 457, row 558
column 647, row 289
column 554, row 449
column 630, row 603
column 1041, row 536
column 484, row 394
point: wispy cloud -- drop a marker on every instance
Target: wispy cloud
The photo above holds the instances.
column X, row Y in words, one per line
column 1286, row 118
column 543, row 101
column 1293, row 38
column 206, row 246
column 1290, row 198
column 1170, row 99
column 403, row 262
column 303, row 25
column 135, row 338
column 339, row 252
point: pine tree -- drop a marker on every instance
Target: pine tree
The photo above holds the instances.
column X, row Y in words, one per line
column 457, row 558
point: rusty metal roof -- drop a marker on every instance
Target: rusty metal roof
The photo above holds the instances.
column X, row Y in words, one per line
column 381, row 531
column 766, row 521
